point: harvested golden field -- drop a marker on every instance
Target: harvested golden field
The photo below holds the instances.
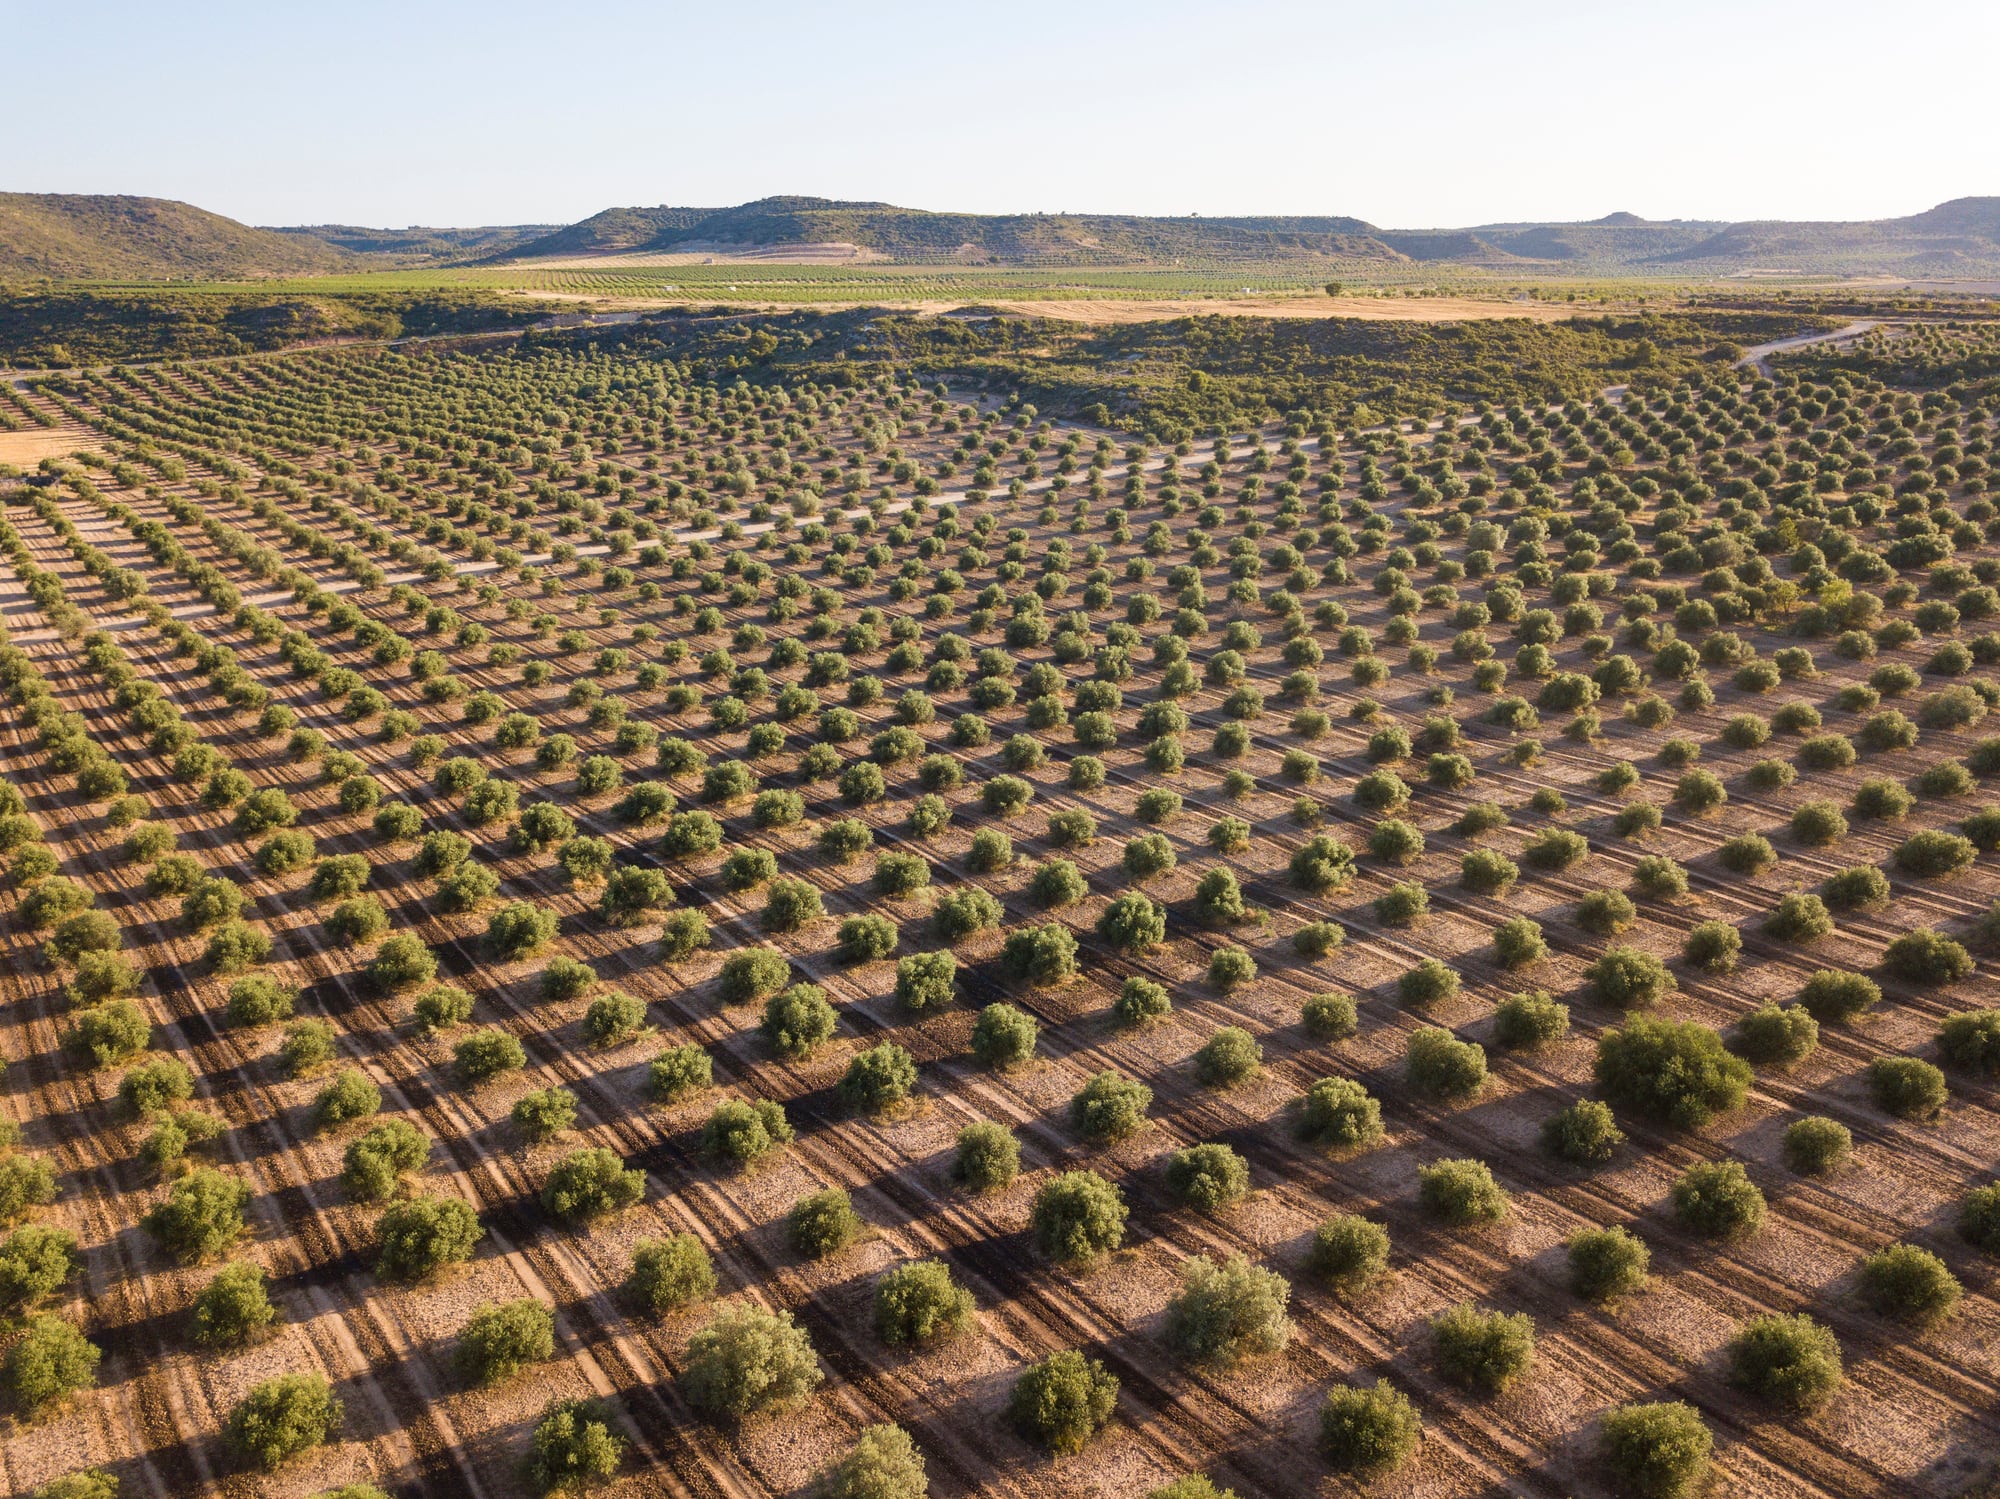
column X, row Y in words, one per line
column 568, row 922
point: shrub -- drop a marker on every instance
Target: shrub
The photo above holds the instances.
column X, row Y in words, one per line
column 1460, row 1193
column 49, row 1361
column 1044, row 955
column 1063, row 1401
column 1933, row 854
column 1487, row 871
column 742, row 1132
column 485, row 1055
column 113, row 1032
column 878, row 1078
column 1606, row 1263
column 821, row 1224
column 1208, row 1177
column 418, row 1238
column 1712, row 946
column 1718, row 1201
column 1979, row 1218
column 1429, row 983
column 1078, row 1216
column 1627, row 978
column 1483, row 1351
column 1971, row 1040
column 1227, row 1312
column 1368, row 1433
column 97, row 1483
column 1518, row 942
column 1747, row 854
column 308, row 1046
column 1906, row 1087
column 1799, row 918
column 1230, row 1056
column 964, row 912
column 798, row 1021
column 1584, row 1134
column 678, row 1072
column 1860, row 888
column 25, row 1181
column 1836, row 997
column 1555, row 849
column 1003, row 1036
column 572, row 1447
column 614, row 1018
column 35, row 1263
column 748, row 1359
column 503, row 1338
column 987, row 1156
column 1605, row 912
column 670, row 1273
column 1110, row 1108
column 1321, row 864
column 920, row 1303
column 1909, row 1285
column 374, row 1165
column 1526, row 1021
column 1348, row 1253
column 1329, row 1017
column 883, row 1463
column 1791, row 1362
column 520, row 930
column 1317, row 938
column 1775, row 1036
column 1438, row 1063
column 751, row 974
column 589, row 1183
column 1927, row 957
column 201, row 1216
column 866, row 938
column 900, row 876
column 283, row 1418
column 155, row 1086
column 1882, row 800
column 1674, row 1071
column 348, row 1097
column 790, row 906
column 1658, row 1450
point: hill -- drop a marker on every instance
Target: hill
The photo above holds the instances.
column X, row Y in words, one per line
column 1955, row 238
column 75, row 237
column 921, row 235
column 419, row 244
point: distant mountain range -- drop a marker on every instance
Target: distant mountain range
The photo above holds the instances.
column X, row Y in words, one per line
column 67, row 238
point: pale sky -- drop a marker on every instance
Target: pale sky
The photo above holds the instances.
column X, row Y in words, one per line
column 1407, row 113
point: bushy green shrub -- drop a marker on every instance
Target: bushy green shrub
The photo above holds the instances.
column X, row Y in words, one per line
column 1460, row 1193
column 1063, row 1401
column 1658, row 1450
column 670, row 1273
column 1109, row 1108
column 1717, row 1200
column 1078, row 1216
column 1628, row 978
column 374, row 1166
column 1791, row 1362
column 1348, row 1253
column 1776, row 1036
column 742, row 1132
column 1368, row 1433
column 418, row 1238
column 201, row 1216
column 503, row 1338
column 1484, row 1352
column 1606, row 1263
column 572, row 1448
column 1004, row 1036
column 1907, row 1087
column 987, row 1156
column 1339, row 1113
column 1208, row 1177
column 920, row 1303
column 748, row 1359
column 1584, row 1133
column 1227, row 1312
column 48, row 1362
column 1438, row 1063
column 1910, row 1285
column 1677, row 1072
column 283, row 1418
column 821, row 1224
column 589, row 1183
column 878, row 1078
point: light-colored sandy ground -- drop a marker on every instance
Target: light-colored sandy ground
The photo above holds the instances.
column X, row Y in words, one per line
column 31, row 445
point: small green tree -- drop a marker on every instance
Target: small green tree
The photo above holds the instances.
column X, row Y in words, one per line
column 48, row 1362
column 1483, row 1351
column 503, row 1338
column 1790, row 1361
column 1718, row 1200
column 1226, row 1312
column 589, row 1183
column 1110, row 1108
column 1078, row 1216
column 883, row 1463
column 920, row 1303
column 1658, row 1450
column 375, row 1165
column 1606, row 1263
column 746, row 1360
column 1349, row 1253
column 282, row 1418
column 573, row 1447
column 234, row 1307
column 1063, row 1401
column 670, row 1273
column 201, row 1216
column 1368, row 1433
column 987, row 1157
column 418, row 1238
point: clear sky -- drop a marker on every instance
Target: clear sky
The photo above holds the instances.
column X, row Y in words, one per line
column 1408, row 113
